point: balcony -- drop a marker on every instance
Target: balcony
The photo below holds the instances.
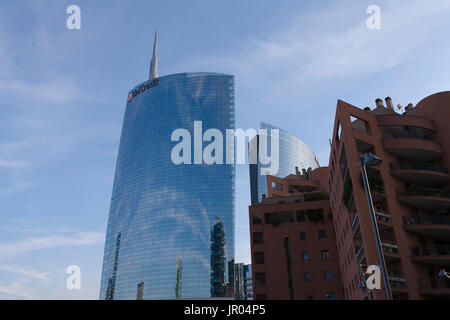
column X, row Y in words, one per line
column 396, row 281
column 425, row 198
column 383, row 219
column 383, row 216
column 432, row 254
column 435, row 287
column 390, row 250
column 413, row 148
column 427, row 174
column 428, row 225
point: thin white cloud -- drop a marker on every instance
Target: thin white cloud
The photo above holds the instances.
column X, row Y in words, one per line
column 18, row 289
column 335, row 42
column 26, row 272
column 324, row 44
column 51, row 241
column 11, row 164
column 57, row 91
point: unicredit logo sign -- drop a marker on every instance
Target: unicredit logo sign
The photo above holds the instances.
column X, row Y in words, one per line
column 141, row 89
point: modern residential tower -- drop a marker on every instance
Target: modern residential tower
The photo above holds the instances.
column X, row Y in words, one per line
column 294, row 255
column 158, row 240
column 409, row 189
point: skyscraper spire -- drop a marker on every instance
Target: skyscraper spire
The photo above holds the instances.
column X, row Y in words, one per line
column 154, row 63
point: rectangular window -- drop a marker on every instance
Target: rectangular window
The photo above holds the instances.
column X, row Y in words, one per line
column 307, row 276
column 258, row 238
column 300, row 216
column 275, row 218
column 302, row 235
column 322, row 234
column 256, row 219
column 259, row 257
column 305, row 255
column 328, row 275
column 260, row 278
column 331, row 296
column 325, row 254
column 315, row 215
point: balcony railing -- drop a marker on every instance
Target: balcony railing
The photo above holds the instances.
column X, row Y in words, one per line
column 426, row 219
column 427, row 192
column 433, row 283
column 383, row 216
column 418, row 165
column 431, row 250
column 389, row 246
column 397, row 280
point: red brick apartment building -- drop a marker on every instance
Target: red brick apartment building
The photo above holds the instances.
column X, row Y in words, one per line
column 293, row 247
column 409, row 190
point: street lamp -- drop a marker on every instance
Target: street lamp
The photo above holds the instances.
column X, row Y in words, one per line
column 372, row 160
column 444, row 274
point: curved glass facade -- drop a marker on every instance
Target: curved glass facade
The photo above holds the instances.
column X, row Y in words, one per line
column 159, row 234
column 293, row 152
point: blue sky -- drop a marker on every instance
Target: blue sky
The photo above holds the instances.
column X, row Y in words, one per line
column 63, row 94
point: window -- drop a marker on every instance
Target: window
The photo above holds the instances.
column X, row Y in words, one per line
column 260, row 278
column 309, row 296
column 257, row 219
column 307, row 276
column 322, row 234
column 360, row 124
column 276, row 218
column 261, row 296
column 305, row 255
column 330, row 296
column 277, row 186
column 328, row 275
column 258, row 238
column 302, row 235
column 325, row 254
column 315, row 215
column 301, row 216
column 259, row 257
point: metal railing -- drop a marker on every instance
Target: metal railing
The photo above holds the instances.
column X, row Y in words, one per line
column 431, row 250
column 433, row 283
column 389, row 246
column 383, row 216
column 426, row 192
column 418, row 165
column 397, row 280
column 426, row 219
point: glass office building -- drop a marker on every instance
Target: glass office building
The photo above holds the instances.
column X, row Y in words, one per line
column 159, row 233
column 292, row 153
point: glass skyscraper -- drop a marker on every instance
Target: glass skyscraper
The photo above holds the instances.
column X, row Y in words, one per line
column 159, row 239
column 292, row 153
